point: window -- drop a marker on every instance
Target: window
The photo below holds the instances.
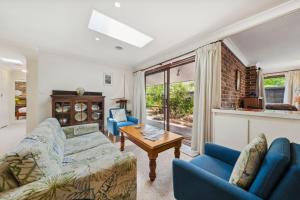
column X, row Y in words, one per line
column 274, row 87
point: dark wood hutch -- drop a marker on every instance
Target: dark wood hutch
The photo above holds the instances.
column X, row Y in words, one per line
column 71, row 109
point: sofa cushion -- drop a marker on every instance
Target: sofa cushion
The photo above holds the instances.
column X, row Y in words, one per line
column 274, row 165
column 41, row 156
column 249, row 161
column 7, row 180
column 69, row 131
column 44, row 135
column 55, row 127
column 128, row 123
column 24, row 168
column 85, row 129
column 84, row 142
column 119, row 115
column 214, row 166
column 101, row 154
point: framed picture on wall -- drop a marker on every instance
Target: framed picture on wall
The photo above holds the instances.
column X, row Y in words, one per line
column 238, row 80
column 108, row 79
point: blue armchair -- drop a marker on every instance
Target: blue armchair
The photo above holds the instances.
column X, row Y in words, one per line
column 206, row 176
column 113, row 125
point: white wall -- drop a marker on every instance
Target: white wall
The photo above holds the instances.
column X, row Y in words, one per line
column 32, row 91
column 57, row 72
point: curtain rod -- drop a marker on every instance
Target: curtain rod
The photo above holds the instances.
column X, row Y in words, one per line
column 282, row 72
column 175, row 57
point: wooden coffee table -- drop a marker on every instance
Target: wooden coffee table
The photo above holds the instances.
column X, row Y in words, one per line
column 153, row 148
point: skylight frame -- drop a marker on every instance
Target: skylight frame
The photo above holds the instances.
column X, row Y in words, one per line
column 108, row 26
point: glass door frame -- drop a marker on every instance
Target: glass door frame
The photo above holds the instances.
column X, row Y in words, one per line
column 166, row 70
column 166, row 94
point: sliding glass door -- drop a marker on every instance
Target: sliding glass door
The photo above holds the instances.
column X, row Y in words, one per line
column 169, row 99
column 156, row 99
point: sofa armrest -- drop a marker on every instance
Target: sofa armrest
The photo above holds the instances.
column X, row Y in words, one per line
column 77, row 130
column 192, row 183
column 225, row 154
column 132, row 119
column 112, row 181
column 45, row 188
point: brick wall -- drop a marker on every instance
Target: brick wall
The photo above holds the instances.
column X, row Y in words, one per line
column 251, row 78
column 230, row 63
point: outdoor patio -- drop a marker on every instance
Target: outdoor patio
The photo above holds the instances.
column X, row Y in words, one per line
column 183, row 130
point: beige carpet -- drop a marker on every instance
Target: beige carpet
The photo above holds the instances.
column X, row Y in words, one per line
column 162, row 187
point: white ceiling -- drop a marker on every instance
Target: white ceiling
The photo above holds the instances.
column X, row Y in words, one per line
column 60, row 26
column 275, row 45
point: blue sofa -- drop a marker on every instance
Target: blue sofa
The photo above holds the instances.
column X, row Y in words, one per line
column 113, row 125
column 206, row 176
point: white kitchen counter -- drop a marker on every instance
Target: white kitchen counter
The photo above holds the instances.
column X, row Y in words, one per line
column 262, row 113
column 236, row 128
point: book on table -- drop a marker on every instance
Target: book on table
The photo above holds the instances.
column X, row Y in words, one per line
column 152, row 133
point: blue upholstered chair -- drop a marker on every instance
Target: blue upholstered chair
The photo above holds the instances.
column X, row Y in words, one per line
column 206, row 177
column 113, row 125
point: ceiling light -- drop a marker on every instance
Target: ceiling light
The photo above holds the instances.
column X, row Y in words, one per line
column 97, row 39
column 117, row 4
column 118, row 47
column 115, row 29
column 12, row 61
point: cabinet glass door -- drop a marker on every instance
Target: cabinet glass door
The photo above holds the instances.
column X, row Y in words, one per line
column 63, row 112
column 81, row 112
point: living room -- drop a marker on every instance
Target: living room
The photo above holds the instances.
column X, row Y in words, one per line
column 107, row 100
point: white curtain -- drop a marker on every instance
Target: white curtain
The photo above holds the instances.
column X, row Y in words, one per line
column 292, row 86
column 139, row 97
column 261, row 88
column 207, row 94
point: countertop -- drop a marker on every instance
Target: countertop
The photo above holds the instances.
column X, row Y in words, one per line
column 261, row 113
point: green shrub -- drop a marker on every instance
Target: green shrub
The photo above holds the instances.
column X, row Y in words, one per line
column 181, row 98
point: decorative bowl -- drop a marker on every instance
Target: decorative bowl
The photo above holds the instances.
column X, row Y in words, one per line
column 66, row 108
column 79, row 107
column 80, row 91
column 58, row 109
column 81, row 116
column 95, row 107
column 63, row 120
column 95, row 115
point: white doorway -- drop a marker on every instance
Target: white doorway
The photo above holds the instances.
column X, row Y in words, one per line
column 4, row 98
column 20, row 99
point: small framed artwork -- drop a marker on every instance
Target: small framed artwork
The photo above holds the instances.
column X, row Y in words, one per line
column 108, row 79
column 237, row 80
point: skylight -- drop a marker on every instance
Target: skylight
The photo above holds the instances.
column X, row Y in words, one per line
column 12, row 61
column 115, row 29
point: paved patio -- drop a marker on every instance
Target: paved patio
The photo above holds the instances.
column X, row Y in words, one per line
column 186, row 132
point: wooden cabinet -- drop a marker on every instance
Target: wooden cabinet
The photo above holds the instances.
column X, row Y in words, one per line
column 252, row 102
column 235, row 129
column 70, row 109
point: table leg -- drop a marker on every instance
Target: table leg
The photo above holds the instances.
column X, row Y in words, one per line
column 177, row 150
column 152, row 165
column 122, row 141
